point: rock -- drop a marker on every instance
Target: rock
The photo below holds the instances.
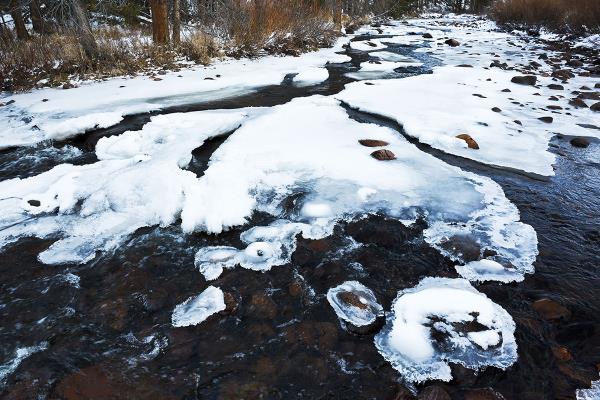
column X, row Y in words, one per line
column 465, row 66
column 157, row 79
column 578, row 103
column 595, row 107
column 68, row 85
column 231, row 303
column 479, row 95
column 352, row 299
column 580, row 142
column 463, row 246
column 94, row 382
column 551, row 107
column 401, row 393
column 597, row 86
column 561, row 353
column 554, row 86
column 496, row 109
column 543, row 56
column 427, row 35
column 589, row 95
column 263, row 306
column 585, row 88
column 471, row 143
column 524, row 80
column 452, row 42
column 383, row 155
column 516, row 121
column 547, row 120
column 563, row 74
column 506, row 90
column 551, row 310
column 575, row 63
column 373, row 142
column 498, row 64
column 295, row 289
column 434, row 392
column 34, row 203
column 483, row 394
column 162, row 72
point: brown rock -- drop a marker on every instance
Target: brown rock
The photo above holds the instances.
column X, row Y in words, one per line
column 580, row 142
column 427, row 35
column 562, row 353
column 563, row 74
column 263, row 306
column 434, row 392
column 352, row 299
column 373, row 142
column 578, row 103
column 295, row 289
column 575, row 63
column 524, row 80
column 547, row 120
column 95, row 382
column 452, row 42
column 231, row 303
column 554, row 86
column 595, row 107
column 383, row 155
column 551, row 310
column 483, row 394
column 589, row 95
column 471, row 143
column 464, row 246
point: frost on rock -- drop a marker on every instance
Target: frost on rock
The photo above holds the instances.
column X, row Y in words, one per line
column 354, row 303
column 56, row 114
column 318, row 160
column 21, row 354
column 311, row 76
column 443, row 321
column 138, row 181
column 197, row 309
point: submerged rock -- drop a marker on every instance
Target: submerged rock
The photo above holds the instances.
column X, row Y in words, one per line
column 551, row 310
column 356, row 306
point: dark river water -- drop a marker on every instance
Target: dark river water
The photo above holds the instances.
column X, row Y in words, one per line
column 110, row 336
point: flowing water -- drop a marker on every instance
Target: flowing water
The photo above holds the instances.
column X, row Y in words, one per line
column 107, row 323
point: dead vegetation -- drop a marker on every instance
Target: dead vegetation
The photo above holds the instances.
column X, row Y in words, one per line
column 569, row 16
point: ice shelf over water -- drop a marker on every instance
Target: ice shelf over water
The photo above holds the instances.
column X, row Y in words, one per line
column 364, row 312
column 476, row 332
column 197, row 309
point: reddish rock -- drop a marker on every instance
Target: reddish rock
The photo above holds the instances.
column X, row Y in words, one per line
column 295, row 289
column 373, row 142
column 578, row 103
column 562, row 353
column 595, row 107
column 263, row 306
column 551, row 310
column 231, row 303
column 352, row 299
column 434, row 393
column 383, row 155
column 471, row 143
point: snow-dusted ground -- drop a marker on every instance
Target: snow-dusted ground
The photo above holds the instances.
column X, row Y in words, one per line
column 310, row 148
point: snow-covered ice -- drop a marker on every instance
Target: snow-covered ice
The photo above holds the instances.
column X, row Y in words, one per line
column 58, row 114
column 197, row 309
column 311, row 76
column 477, row 332
column 362, row 315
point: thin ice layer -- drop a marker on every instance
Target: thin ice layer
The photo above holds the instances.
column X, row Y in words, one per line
column 476, row 332
column 139, row 181
column 333, row 178
column 354, row 303
column 197, row 309
column 59, row 114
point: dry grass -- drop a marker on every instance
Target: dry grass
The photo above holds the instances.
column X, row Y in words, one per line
column 575, row 16
column 56, row 58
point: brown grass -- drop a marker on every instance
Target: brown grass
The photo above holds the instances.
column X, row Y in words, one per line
column 56, row 58
column 575, row 16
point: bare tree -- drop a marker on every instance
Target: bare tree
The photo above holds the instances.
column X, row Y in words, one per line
column 176, row 22
column 16, row 12
column 160, row 21
column 37, row 18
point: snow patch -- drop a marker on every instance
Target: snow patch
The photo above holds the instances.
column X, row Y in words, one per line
column 197, row 309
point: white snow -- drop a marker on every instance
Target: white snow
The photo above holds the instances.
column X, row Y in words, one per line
column 197, row 309
column 367, row 45
column 67, row 113
column 592, row 393
column 20, row 354
column 486, row 270
column 352, row 314
column 443, row 304
column 311, row 76
column 379, row 69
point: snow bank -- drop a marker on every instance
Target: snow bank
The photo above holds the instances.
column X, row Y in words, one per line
column 437, row 107
column 58, row 114
column 197, row 309
column 476, row 332
column 356, row 315
column 282, row 152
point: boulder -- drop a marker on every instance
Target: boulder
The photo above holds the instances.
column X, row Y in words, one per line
column 595, row 107
column 524, row 80
column 578, row 103
column 562, row 74
column 575, row 63
column 434, row 392
column 452, row 42
column 471, row 143
column 551, row 310
column 547, row 120
column 580, row 142
column 496, row 109
column 554, row 86
column 427, row 35
column 383, row 155
column 561, row 353
column 373, row 142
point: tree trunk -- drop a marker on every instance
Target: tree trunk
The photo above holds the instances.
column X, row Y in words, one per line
column 5, row 33
column 160, row 21
column 337, row 14
column 37, row 18
column 176, row 22
column 82, row 26
column 17, row 15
